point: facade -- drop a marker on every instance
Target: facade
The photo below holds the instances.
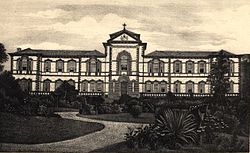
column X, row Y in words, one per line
column 123, row 68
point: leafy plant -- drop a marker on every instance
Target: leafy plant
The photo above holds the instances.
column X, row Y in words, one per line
column 145, row 136
column 177, row 127
column 171, row 129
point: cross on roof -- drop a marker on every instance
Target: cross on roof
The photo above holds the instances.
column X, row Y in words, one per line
column 124, row 25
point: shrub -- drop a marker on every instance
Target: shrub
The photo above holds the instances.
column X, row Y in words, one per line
column 226, row 144
column 209, row 125
column 109, row 109
column 135, row 111
column 177, row 127
column 146, row 136
column 171, row 129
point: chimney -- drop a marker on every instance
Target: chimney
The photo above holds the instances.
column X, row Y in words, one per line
column 19, row 49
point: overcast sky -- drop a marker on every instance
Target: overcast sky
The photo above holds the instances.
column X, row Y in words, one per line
column 164, row 25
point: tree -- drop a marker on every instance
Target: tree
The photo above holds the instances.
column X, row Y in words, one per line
column 219, row 78
column 66, row 92
column 3, row 56
column 11, row 94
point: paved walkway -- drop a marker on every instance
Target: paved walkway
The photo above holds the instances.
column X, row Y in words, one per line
column 112, row 133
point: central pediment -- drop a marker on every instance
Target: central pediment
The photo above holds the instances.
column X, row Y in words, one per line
column 124, row 36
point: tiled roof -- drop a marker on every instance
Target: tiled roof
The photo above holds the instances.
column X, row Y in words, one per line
column 61, row 53
column 181, row 54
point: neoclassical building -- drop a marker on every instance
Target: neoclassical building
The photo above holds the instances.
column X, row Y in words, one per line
column 122, row 68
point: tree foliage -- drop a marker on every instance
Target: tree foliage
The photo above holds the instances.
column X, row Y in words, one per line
column 11, row 94
column 66, row 92
column 3, row 56
column 219, row 77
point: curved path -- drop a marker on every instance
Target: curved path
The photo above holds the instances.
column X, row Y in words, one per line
column 112, row 133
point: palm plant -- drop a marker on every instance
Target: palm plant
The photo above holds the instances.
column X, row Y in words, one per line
column 176, row 128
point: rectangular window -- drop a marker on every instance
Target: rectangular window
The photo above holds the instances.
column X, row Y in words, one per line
column 60, row 66
column 189, row 87
column 156, row 87
column 177, row 67
column 148, row 87
column 189, row 67
column 24, row 64
column 93, row 67
column 85, row 86
column 177, row 88
column 92, row 86
column 47, row 66
column 99, row 86
column 202, row 67
column 156, row 67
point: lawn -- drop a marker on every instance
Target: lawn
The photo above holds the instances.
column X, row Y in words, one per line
column 123, row 117
column 35, row 129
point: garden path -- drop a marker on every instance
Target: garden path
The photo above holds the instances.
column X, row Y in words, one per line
column 112, row 133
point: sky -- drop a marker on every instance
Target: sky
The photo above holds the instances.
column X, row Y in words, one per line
column 164, row 24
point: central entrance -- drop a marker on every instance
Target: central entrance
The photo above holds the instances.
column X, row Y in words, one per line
column 124, row 88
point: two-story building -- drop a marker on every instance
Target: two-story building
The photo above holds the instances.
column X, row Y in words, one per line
column 122, row 68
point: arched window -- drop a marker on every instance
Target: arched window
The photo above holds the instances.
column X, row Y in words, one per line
column 177, row 66
column 24, row 64
column 71, row 82
column 124, row 63
column 25, row 84
column 156, row 66
column 189, row 87
column 202, row 67
column 189, row 67
column 94, row 66
column 177, row 87
column 92, row 86
column 201, row 87
column 46, row 85
column 85, row 86
column 71, row 66
column 156, row 86
column 99, row 86
column 58, row 83
column 148, row 86
column 163, row 86
column 59, row 66
column 47, row 65
column 231, row 87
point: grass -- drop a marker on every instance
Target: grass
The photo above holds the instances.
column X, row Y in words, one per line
column 35, row 129
column 123, row 117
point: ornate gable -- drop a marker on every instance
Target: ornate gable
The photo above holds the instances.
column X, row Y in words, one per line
column 124, row 36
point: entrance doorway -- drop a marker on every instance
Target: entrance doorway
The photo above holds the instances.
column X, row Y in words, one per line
column 124, row 88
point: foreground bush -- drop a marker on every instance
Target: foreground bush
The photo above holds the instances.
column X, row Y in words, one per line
column 171, row 130
column 135, row 111
column 109, row 109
